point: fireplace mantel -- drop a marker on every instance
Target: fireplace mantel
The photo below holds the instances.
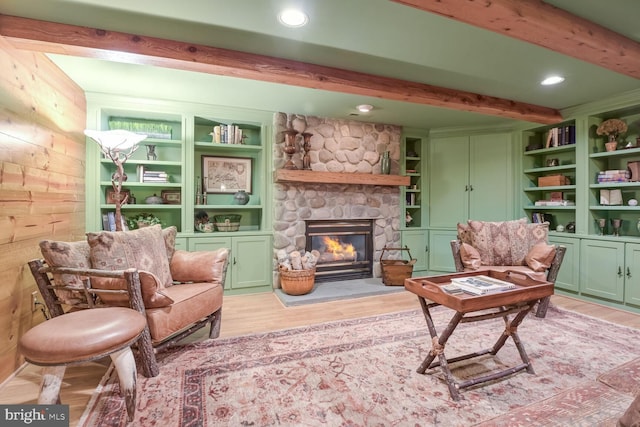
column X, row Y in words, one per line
column 313, row 177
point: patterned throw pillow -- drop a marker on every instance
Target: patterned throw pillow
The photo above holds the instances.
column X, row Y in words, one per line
column 67, row 254
column 506, row 242
column 169, row 235
column 143, row 249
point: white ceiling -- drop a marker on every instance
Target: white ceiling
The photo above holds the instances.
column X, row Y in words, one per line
column 373, row 36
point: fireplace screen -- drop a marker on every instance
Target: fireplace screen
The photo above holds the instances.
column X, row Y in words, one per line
column 345, row 247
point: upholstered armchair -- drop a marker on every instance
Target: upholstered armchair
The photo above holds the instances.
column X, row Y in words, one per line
column 179, row 292
column 516, row 245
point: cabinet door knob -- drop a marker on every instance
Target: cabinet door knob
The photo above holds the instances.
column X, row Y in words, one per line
column 471, row 188
column 234, row 260
column 628, row 272
column 619, row 271
column 466, row 188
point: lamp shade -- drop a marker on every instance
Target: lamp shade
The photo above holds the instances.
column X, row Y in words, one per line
column 119, row 140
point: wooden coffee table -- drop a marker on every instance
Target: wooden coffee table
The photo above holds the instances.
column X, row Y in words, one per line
column 476, row 308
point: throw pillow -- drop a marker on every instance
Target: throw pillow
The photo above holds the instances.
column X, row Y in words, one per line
column 540, row 257
column 493, row 241
column 67, row 254
column 201, row 266
column 150, row 287
column 143, row 249
column 169, row 235
column 470, row 257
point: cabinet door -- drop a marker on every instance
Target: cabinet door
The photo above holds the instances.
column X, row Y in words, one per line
column 632, row 274
column 251, row 261
column 440, row 256
column 448, row 181
column 568, row 276
column 601, row 269
column 417, row 241
column 490, row 180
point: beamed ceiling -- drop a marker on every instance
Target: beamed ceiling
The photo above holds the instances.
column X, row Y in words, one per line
column 421, row 63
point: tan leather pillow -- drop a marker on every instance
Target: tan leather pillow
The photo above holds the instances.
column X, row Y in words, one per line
column 201, row 266
column 540, row 256
column 150, row 286
column 470, row 257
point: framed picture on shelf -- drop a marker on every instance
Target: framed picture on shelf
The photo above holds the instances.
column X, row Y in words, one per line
column 226, row 174
column 171, row 197
column 111, row 196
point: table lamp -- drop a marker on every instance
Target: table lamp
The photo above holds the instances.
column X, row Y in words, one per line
column 117, row 145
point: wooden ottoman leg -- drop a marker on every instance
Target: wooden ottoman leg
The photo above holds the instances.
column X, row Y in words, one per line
column 543, row 305
column 50, row 385
column 126, row 368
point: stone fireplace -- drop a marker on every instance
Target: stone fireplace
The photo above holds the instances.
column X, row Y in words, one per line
column 343, row 147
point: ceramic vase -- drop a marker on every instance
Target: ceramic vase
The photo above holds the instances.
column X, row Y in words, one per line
column 385, row 164
column 241, row 198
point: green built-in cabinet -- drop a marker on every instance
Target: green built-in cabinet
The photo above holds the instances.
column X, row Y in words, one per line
column 600, row 268
column 183, row 135
column 470, row 177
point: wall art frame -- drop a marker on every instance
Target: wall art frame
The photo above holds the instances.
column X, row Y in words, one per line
column 226, row 175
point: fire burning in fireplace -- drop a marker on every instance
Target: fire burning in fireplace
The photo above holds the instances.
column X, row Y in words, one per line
column 345, row 248
column 336, row 250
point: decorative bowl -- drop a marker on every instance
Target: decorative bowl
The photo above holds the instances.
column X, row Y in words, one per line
column 229, row 222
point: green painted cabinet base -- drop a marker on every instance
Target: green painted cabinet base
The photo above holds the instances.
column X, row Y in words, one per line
column 602, row 269
column 249, row 266
column 417, row 241
column 440, row 256
column 568, row 278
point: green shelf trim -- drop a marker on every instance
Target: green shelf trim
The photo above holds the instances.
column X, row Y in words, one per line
column 552, row 188
column 143, row 206
column 615, row 185
column 570, row 147
column 616, row 153
column 241, row 147
column 146, row 162
column 614, row 208
column 411, row 190
column 135, row 184
column 236, row 207
column 550, row 169
column 550, row 208
column 412, row 158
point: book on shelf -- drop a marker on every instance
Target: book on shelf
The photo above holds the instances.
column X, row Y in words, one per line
column 480, row 285
column 109, row 222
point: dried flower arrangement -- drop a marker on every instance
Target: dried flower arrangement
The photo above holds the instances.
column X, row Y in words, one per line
column 612, row 128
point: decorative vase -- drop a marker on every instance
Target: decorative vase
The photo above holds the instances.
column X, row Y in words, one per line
column 306, row 146
column 241, row 198
column 290, row 147
column 611, row 145
column 385, row 164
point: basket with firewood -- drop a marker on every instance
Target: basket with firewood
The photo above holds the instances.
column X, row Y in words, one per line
column 297, row 271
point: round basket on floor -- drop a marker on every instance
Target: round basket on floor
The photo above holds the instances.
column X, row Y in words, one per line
column 297, row 282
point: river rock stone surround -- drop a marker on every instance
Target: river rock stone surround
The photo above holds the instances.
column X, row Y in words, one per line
column 336, row 146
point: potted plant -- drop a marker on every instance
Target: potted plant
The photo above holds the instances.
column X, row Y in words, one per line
column 143, row 220
column 612, row 128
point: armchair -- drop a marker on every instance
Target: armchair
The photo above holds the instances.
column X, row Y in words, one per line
column 509, row 245
column 181, row 294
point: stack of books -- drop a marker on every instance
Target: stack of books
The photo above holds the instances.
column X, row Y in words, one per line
column 155, row 176
column 227, row 134
column 613, row 176
column 481, row 285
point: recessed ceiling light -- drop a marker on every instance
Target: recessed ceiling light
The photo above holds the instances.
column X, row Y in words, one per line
column 364, row 108
column 293, row 18
column 552, row 80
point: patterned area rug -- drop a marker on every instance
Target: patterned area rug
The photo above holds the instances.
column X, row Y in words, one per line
column 362, row 372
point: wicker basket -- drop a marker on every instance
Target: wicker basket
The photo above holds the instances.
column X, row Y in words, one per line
column 230, row 222
column 297, row 282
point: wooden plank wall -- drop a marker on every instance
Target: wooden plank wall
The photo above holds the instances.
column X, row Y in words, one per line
column 42, row 191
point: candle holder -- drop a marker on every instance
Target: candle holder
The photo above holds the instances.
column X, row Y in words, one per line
column 290, row 147
column 602, row 224
column 306, row 146
column 616, row 224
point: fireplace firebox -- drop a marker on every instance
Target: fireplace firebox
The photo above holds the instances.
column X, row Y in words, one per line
column 345, row 247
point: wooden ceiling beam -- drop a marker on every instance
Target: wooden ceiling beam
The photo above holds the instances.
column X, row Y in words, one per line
column 542, row 24
column 80, row 41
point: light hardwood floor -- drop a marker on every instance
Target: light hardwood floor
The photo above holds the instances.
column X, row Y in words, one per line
column 260, row 313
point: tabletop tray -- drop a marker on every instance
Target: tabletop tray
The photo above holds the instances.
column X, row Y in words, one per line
column 527, row 289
